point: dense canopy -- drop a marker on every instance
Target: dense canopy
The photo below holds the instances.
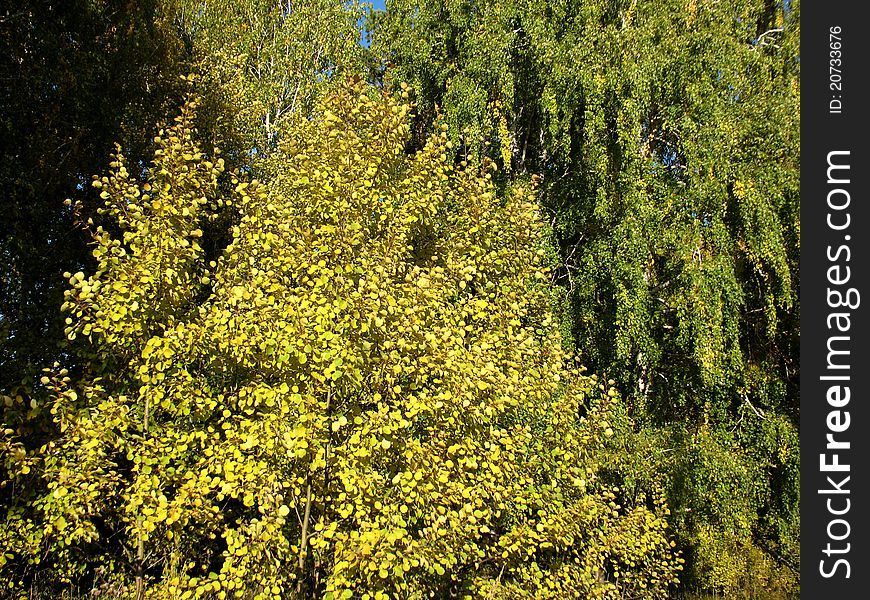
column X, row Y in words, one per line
column 345, row 354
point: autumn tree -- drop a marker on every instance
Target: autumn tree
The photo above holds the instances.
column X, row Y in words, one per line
column 364, row 395
column 666, row 134
column 82, row 75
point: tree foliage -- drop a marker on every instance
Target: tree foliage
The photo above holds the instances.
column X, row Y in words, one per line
column 666, row 134
column 236, row 344
column 77, row 76
column 262, row 61
column 364, row 396
column 84, row 74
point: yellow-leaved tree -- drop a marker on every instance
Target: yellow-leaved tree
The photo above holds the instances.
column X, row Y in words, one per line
column 363, row 396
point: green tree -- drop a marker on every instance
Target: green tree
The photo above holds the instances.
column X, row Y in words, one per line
column 77, row 76
column 667, row 137
column 365, row 395
column 261, row 61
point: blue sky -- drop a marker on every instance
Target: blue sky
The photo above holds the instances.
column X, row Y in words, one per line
column 377, row 5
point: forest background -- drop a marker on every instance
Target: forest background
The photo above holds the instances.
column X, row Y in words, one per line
column 611, row 180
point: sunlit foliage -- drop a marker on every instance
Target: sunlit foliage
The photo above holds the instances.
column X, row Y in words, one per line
column 365, row 395
column 667, row 136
